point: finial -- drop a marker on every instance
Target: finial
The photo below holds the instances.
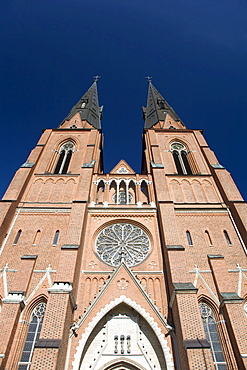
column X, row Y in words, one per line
column 96, row 78
column 149, row 79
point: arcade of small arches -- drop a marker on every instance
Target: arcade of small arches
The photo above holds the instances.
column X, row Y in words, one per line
column 123, row 191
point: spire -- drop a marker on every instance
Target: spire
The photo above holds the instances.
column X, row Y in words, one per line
column 157, row 108
column 88, row 107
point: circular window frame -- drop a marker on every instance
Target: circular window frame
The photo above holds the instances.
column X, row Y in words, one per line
column 134, row 226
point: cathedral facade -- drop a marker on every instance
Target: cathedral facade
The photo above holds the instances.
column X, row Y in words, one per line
column 123, row 270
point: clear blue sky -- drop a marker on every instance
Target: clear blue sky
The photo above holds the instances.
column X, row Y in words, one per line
column 195, row 50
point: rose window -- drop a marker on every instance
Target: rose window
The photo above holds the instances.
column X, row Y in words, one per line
column 122, row 243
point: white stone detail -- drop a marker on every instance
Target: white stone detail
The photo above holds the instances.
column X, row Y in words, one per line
column 47, row 275
column 141, row 311
column 60, row 288
column 122, row 170
column 14, row 298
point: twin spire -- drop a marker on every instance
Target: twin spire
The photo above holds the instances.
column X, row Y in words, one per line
column 157, row 108
column 88, row 107
column 156, row 111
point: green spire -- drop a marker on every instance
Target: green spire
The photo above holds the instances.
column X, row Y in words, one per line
column 88, row 107
column 157, row 108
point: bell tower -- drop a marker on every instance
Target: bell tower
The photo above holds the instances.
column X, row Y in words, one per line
column 201, row 225
column 123, row 270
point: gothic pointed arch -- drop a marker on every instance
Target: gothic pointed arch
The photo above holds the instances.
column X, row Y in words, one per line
column 216, row 333
column 122, row 344
column 122, row 364
column 34, row 319
column 180, row 155
column 65, row 154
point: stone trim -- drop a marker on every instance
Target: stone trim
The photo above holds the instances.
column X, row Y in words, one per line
column 27, row 165
column 118, row 210
column 14, row 297
column 215, row 256
column 44, row 210
column 175, row 247
column 141, row 311
column 89, row 165
column 200, row 210
column 48, row 343
column 196, row 343
column 182, row 288
column 29, row 257
column 230, row 297
column 217, row 165
column 70, row 246
column 61, row 287
column 156, row 165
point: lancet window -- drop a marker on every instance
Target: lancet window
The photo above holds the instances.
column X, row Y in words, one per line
column 189, row 238
column 65, row 154
column 180, row 156
column 228, row 240
column 36, row 237
column 33, row 334
column 144, row 192
column 17, row 236
column 208, row 237
column 210, row 327
column 122, row 191
column 55, row 240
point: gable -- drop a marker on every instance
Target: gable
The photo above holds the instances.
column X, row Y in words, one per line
column 122, row 168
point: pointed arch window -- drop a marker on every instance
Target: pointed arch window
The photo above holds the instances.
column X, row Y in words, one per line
column 65, row 154
column 36, row 237
column 228, row 240
column 144, row 190
column 17, row 237
column 189, row 239
column 33, row 334
column 180, row 156
column 208, row 237
column 210, row 327
column 55, row 240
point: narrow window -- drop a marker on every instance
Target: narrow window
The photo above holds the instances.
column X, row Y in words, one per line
column 56, row 237
column 186, row 163
column 33, row 334
column 59, row 162
column 122, row 343
column 116, row 344
column 65, row 154
column 36, row 237
column 177, row 162
column 180, row 156
column 17, row 236
column 144, row 190
column 209, row 240
column 210, row 327
column 189, row 238
column 228, row 240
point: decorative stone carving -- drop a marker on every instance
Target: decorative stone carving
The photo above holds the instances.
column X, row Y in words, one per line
column 122, row 243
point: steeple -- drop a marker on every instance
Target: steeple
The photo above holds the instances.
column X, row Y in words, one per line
column 157, row 108
column 88, row 107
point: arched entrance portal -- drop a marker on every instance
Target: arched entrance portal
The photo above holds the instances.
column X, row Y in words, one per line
column 122, row 365
column 122, row 340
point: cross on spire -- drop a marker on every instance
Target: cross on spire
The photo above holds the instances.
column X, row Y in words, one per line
column 96, row 78
column 149, row 78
